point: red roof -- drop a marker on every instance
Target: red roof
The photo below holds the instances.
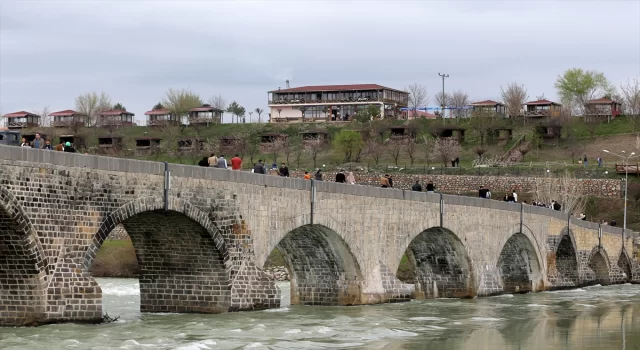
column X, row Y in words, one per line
column 336, row 88
column 601, row 101
column 542, row 103
column 203, row 109
column 160, row 111
column 421, row 114
column 487, row 103
column 19, row 114
column 114, row 112
column 65, row 113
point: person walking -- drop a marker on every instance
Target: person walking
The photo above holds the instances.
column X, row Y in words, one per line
column 600, row 161
column 259, row 168
column 351, row 179
column 222, row 163
column 390, row 180
column 318, row 175
column 284, row 171
column 515, row 196
column 236, row 163
column 584, row 161
column 416, row 186
column 340, row 177
column 482, row 192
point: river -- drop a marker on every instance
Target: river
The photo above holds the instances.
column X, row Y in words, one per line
column 586, row 318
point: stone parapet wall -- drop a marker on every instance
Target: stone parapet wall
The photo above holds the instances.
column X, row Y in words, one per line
column 459, row 184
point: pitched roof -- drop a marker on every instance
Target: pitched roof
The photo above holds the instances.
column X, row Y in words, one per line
column 601, row 101
column 159, row 111
column 65, row 113
column 421, row 114
column 542, row 102
column 115, row 112
column 19, row 114
column 311, row 88
column 487, row 103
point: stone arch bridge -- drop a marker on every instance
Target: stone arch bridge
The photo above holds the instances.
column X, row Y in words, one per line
column 202, row 235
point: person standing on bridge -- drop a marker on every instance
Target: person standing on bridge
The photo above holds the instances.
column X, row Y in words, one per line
column 222, row 163
column 318, row 175
column 351, row 179
column 259, row 168
column 416, row 186
column 340, row 177
column 236, row 163
column 384, row 181
column 68, row 148
column 431, row 188
column 213, row 160
column 284, row 171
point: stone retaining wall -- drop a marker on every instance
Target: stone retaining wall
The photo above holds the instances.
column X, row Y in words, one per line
column 460, row 184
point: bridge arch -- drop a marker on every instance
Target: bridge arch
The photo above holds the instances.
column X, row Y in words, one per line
column 23, row 266
column 182, row 257
column 599, row 263
column 519, row 264
column 443, row 267
column 323, row 269
column 562, row 262
column 624, row 263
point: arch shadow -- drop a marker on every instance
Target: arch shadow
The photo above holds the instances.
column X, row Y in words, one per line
column 443, row 267
column 182, row 260
column 599, row 263
column 562, row 263
column 519, row 267
column 323, row 269
column 23, row 266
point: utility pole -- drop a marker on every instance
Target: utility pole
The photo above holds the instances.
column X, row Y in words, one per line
column 444, row 75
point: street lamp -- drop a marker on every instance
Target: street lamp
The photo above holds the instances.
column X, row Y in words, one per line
column 625, row 164
column 444, row 75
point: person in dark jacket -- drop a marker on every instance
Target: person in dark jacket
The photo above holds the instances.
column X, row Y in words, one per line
column 340, row 177
column 430, row 187
column 416, row 187
column 318, row 175
column 204, row 162
column 284, row 171
column 259, row 168
column 390, row 181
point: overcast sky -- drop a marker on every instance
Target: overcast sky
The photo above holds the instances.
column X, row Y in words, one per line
column 51, row 51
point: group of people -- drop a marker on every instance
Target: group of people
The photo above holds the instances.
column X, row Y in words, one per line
column 555, row 205
column 584, row 161
column 220, row 162
column 40, row 143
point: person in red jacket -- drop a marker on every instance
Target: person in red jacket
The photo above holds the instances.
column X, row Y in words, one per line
column 236, row 163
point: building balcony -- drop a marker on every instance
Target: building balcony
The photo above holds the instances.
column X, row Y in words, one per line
column 162, row 122
column 16, row 124
column 204, row 120
column 537, row 113
column 325, row 101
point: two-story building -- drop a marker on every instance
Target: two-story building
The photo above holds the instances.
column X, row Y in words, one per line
column 67, row 119
column 488, row 107
column 161, row 117
column 334, row 102
column 541, row 109
column 21, row 120
column 602, row 108
column 206, row 114
column 115, row 118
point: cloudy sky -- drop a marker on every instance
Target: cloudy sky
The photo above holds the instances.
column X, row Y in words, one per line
column 51, row 51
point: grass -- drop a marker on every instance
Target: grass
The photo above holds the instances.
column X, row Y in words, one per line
column 116, row 258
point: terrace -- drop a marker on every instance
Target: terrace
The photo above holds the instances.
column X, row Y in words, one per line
column 115, row 118
column 205, row 115
column 602, row 108
column 542, row 109
column 67, row 119
column 488, row 107
column 21, row 120
column 161, row 117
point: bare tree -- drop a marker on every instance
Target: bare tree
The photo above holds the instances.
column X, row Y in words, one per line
column 631, row 101
column 563, row 189
column 411, row 148
column 427, row 145
column 446, row 101
column 374, row 148
column 45, row 119
column 91, row 105
column 394, row 148
column 290, row 145
column 274, row 149
column 446, row 148
column 218, row 102
column 418, row 97
column 479, row 150
column 315, row 148
column 514, row 96
column 459, row 100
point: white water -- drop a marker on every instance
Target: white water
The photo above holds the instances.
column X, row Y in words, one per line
column 589, row 318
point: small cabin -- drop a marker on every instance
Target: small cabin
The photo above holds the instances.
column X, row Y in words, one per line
column 402, row 132
column 161, row 117
column 110, row 142
column 9, row 137
column 21, row 120
column 206, row 114
column 229, row 141
column 145, row 143
column 190, row 144
column 271, row 137
column 67, row 119
column 500, row 135
column 115, row 118
column 602, row 109
column 488, row 107
column 542, row 109
column 549, row 132
column 317, row 134
column 454, row 132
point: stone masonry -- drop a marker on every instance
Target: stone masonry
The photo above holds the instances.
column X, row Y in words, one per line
column 202, row 236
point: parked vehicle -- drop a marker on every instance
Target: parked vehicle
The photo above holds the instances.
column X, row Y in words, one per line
column 8, row 137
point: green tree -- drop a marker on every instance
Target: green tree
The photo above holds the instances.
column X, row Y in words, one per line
column 576, row 86
column 348, row 142
column 368, row 114
column 236, row 111
column 180, row 101
column 158, row 106
column 119, row 107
